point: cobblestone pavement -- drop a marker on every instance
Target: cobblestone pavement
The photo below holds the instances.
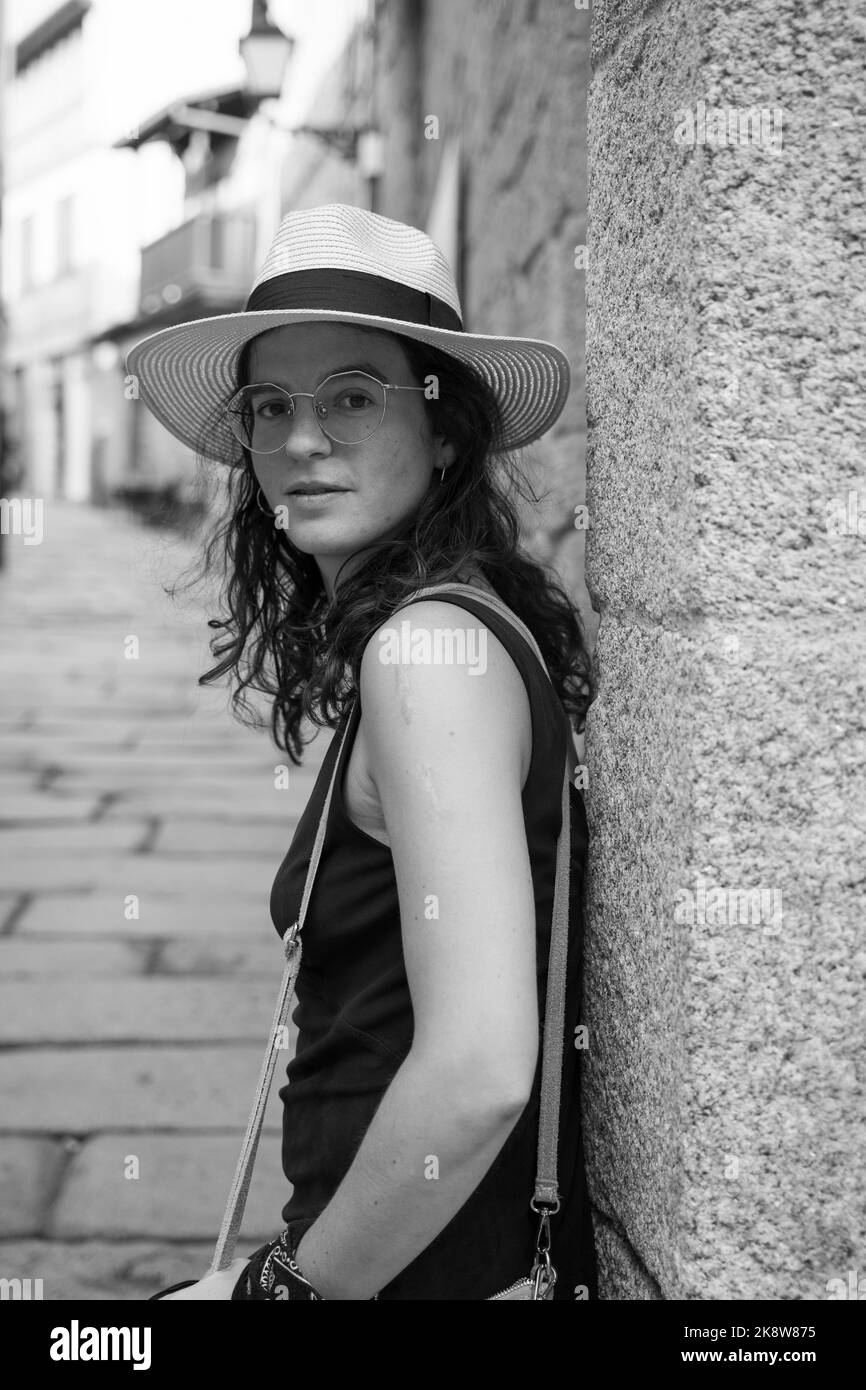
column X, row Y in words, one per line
column 140, row 831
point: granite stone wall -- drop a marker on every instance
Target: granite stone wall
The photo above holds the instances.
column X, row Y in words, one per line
column 726, row 750
column 510, row 81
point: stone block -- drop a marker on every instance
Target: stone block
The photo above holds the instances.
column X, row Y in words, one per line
column 194, row 836
column 79, row 1090
column 241, row 917
column 242, row 876
column 29, row 1172
column 220, row 956
column 166, row 1186
column 153, row 1009
column 103, row 1271
column 47, row 960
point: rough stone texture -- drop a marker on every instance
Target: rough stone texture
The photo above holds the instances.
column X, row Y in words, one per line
column 617, row 1267
column 635, row 975
column 727, row 748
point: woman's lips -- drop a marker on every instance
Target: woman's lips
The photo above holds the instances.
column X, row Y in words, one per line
column 313, row 487
column 306, row 499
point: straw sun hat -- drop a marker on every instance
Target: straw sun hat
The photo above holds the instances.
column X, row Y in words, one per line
column 340, row 264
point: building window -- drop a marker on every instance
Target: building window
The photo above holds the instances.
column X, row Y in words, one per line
column 64, row 236
column 26, row 254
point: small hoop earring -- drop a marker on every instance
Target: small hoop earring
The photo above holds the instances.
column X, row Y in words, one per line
column 442, row 475
column 266, row 510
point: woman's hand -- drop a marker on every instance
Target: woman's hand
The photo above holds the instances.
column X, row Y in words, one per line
column 218, row 1285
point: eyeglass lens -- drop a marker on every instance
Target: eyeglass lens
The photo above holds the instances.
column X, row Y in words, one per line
column 349, row 407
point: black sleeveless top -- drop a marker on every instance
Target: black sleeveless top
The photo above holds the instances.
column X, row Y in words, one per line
column 355, row 1021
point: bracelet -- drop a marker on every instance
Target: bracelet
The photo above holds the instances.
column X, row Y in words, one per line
column 281, row 1277
column 273, row 1274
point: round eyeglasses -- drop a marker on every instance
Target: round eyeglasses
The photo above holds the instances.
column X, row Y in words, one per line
column 348, row 406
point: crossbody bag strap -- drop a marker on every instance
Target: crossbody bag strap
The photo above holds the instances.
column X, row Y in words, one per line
column 237, row 1198
column 546, row 1193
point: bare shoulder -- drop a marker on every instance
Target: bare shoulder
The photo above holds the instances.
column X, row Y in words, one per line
column 434, row 677
column 444, row 671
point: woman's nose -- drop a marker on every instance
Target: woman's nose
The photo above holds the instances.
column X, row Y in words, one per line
column 305, row 434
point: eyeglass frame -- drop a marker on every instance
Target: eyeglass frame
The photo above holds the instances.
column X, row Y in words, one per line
column 253, row 385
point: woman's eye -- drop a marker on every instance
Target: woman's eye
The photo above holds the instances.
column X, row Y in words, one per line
column 270, row 410
column 354, row 400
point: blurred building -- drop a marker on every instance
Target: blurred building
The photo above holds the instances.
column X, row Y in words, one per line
column 69, row 260
column 467, row 121
column 239, row 147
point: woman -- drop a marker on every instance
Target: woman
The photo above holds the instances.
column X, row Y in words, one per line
column 368, row 435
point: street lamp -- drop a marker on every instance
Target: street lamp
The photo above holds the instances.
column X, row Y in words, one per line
column 266, row 51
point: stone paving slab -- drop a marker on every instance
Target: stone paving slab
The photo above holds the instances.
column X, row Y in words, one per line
column 240, row 876
column 197, row 836
column 212, row 956
column 14, row 781
column 25, row 746
column 218, row 727
column 80, row 1090
column 105, row 1271
column 60, row 689
column 179, row 1194
column 20, row 960
column 217, row 784
column 218, row 738
column 100, row 757
column 215, row 956
column 248, row 751
column 153, row 1009
column 86, row 736
column 97, row 914
column 29, row 806
column 122, row 764
column 265, row 805
column 9, row 906
column 43, row 841
column 30, row 1170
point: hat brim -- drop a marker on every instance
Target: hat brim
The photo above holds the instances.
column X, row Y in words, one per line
column 186, row 374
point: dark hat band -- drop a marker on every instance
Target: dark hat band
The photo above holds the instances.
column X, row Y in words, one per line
column 353, row 292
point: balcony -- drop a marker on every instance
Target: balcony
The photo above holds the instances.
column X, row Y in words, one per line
column 204, row 266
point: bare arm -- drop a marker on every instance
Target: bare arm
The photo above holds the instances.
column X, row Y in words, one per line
column 445, row 754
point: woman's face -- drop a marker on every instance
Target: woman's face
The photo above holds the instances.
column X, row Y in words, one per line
column 384, row 478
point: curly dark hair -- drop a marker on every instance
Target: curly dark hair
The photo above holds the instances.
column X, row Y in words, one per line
column 284, row 637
